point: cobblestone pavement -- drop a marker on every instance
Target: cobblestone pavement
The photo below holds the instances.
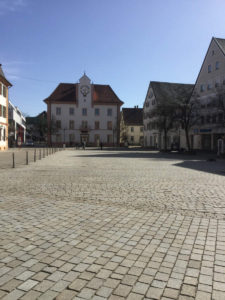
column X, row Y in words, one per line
column 113, row 225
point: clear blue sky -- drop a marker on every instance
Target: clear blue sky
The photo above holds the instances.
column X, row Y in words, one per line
column 124, row 43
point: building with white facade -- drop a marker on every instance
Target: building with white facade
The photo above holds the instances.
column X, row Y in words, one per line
column 17, row 126
column 83, row 113
column 4, row 86
column 210, row 88
column 131, row 126
column 161, row 92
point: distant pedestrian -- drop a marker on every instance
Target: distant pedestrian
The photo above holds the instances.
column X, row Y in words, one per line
column 101, row 145
column 84, row 145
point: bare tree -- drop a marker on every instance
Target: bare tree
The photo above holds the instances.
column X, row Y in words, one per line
column 164, row 116
column 187, row 111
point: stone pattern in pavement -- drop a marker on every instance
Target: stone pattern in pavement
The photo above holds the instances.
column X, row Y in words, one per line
column 112, row 225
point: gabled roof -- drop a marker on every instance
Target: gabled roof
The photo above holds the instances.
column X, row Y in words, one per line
column 133, row 116
column 65, row 92
column 68, row 92
column 3, row 78
column 221, row 44
column 163, row 90
column 104, row 94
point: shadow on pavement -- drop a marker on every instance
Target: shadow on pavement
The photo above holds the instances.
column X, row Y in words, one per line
column 199, row 162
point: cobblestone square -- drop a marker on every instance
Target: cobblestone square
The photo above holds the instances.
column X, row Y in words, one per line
column 113, row 225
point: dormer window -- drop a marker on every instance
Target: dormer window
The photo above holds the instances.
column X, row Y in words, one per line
column 209, row 68
column 213, row 52
column 217, row 65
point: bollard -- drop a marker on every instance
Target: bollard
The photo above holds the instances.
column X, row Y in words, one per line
column 26, row 157
column 39, row 153
column 13, row 160
column 35, row 155
column 47, row 151
column 44, row 153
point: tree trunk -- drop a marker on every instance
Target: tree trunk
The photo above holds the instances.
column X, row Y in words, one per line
column 187, row 139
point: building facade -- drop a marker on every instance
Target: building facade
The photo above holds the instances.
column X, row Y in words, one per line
column 17, row 126
column 162, row 92
column 210, row 88
column 4, row 86
column 83, row 113
column 131, row 126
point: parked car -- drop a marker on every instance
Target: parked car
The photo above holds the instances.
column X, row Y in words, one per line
column 29, row 144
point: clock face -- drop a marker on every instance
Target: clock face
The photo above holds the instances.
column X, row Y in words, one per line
column 84, row 90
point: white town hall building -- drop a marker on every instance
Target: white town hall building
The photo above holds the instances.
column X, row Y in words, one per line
column 83, row 112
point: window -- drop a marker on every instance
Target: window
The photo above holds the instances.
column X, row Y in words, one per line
column 84, row 124
column 97, row 111
column 0, row 88
column 4, row 91
column 209, row 86
column 84, row 111
column 220, row 118
column 109, row 112
column 141, row 129
column 109, row 138
column 209, row 68
column 71, row 137
column 202, row 88
column 208, row 119
column 216, row 84
column 71, row 111
column 96, row 124
column 0, row 110
column 4, row 111
column 4, row 136
column 109, row 125
column 131, row 138
column 58, row 124
column 217, row 65
column 58, row 111
column 71, row 124
column 214, row 119
column 213, row 52
column 58, row 138
column 97, row 138
column 202, row 120
column 132, row 129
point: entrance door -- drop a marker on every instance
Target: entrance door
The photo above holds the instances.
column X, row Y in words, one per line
column 206, row 142
column 84, row 138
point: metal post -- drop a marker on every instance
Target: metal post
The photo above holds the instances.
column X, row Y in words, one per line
column 39, row 153
column 26, row 157
column 47, row 151
column 34, row 155
column 13, row 160
column 44, row 153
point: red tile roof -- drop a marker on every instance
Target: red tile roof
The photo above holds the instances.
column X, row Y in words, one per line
column 68, row 92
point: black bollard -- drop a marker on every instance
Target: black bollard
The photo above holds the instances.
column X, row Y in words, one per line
column 13, row 160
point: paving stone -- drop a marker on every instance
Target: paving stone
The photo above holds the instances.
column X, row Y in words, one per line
column 28, row 285
column 77, row 284
column 122, row 290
